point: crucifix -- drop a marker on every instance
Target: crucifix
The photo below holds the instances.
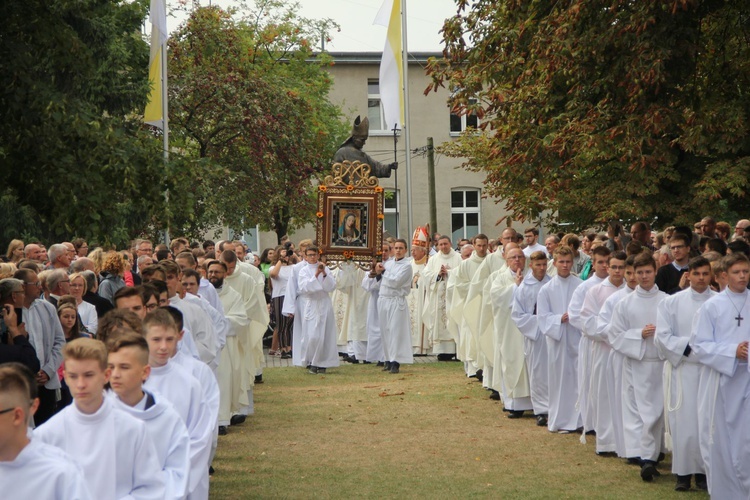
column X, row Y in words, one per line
column 739, row 318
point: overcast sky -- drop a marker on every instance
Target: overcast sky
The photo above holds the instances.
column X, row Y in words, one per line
column 358, row 34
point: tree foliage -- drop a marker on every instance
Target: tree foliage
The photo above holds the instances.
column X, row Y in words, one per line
column 76, row 159
column 245, row 95
column 594, row 110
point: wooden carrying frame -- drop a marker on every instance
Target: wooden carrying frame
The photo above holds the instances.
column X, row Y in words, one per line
column 350, row 215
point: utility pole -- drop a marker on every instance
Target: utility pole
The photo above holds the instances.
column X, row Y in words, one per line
column 431, row 186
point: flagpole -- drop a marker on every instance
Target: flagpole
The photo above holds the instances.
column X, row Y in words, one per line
column 395, row 175
column 165, row 127
column 407, row 128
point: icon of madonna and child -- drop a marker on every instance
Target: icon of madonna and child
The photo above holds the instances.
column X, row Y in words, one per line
column 348, row 233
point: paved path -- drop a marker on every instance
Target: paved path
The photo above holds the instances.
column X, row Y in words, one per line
column 277, row 362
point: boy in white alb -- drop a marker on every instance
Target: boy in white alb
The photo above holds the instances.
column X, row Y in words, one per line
column 128, row 363
column 114, row 449
column 24, row 462
column 181, row 389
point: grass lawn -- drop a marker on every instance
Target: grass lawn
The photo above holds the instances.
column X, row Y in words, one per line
column 428, row 432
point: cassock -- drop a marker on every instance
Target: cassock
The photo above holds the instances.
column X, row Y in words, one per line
column 460, row 281
column 43, row 471
column 317, row 325
column 598, row 393
column 197, row 322
column 674, row 324
column 233, row 380
column 642, row 394
column 393, row 311
column 181, row 389
column 524, row 314
column 349, row 300
column 416, row 300
column 563, row 340
column 443, row 329
column 722, row 324
column 614, row 367
column 113, row 448
column 584, row 349
column 509, row 375
column 375, row 353
column 169, row 436
column 250, row 284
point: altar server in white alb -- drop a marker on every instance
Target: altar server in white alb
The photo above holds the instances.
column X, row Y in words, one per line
column 632, row 334
column 30, row 468
column 317, row 323
column 524, row 314
column 563, row 340
column 128, row 363
column 721, row 344
column 113, row 448
column 600, row 257
column 371, row 285
column 598, row 394
column 393, row 310
column 674, row 323
column 290, row 305
column 180, row 388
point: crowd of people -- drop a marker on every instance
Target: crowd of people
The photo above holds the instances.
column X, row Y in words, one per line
column 141, row 358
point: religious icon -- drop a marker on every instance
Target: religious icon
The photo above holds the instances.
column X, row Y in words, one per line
column 350, row 222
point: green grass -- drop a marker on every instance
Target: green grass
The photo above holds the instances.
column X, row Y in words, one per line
column 352, row 434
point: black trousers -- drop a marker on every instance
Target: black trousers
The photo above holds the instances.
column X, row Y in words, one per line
column 47, row 405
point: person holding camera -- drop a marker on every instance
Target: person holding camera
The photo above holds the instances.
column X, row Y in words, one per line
column 14, row 340
column 280, row 273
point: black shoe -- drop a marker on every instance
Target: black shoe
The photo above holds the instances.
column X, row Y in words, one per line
column 445, row 357
column 321, row 370
column 259, row 379
column 313, row 370
column 495, row 396
column 591, row 433
column 210, row 470
column 606, row 454
column 380, row 363
column 541, row 420
column 515, row 414
column 222, row 430
column 700, row 482
column 366, row 362
column 683, row 483
column 648, row 471
column 661, row 458
column 237, row 419
column 394, row 367
column 387, row 366
column 286, row 355
column 635, row 461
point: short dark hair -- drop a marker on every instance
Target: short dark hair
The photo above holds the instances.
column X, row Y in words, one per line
column 698, row 262
column 192, row 273
column 644, row 259
column 739, row 246
column 125, row 292
column 162, row 255
column 601, row 250
column 161, row 286
column 619, row 255
column 176, row 316
column 115, row 322
column 215, row 263
column 228, row 256
column 208, row 243
column 533, row 230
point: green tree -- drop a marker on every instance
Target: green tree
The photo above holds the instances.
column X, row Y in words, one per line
column 594, row 110
column 247, row 93
column 76, row 158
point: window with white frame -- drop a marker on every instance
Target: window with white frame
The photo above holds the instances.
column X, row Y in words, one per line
column 390, row 215
column 459, row 123
column 375, row 106
column 465, row 209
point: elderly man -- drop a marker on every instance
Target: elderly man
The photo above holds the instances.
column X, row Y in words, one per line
column 58, row 284
column 739, row 229
column 419, row 334
column 46, row 335
column 142, row 248
column 443, row 329
column 59, row 257
column 708, row 227
column 102, row 305
column 35, row 252
column 14, row 339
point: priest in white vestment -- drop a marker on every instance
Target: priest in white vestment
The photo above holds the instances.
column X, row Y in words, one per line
column 721, row 345
column 598, row 393
column 632, row 332
column 114, row 449
column 600, row 256
column 30, row 468
column 352, row 300
column 317, row 323
column 524, row 315
column 674, row 340
column 420, row 336
column 442, row 327
column 563, row 340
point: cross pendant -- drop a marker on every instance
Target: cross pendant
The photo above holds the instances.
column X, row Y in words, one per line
column 739, row 318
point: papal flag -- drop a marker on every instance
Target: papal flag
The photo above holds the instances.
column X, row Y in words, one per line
column 391, row 65
column 154, row 114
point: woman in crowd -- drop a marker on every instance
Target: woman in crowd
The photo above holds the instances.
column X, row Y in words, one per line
column 112, row 271
column 81, row 247
column 86, row 311
column 70, row 322
column 280, row 274
column 127, row 275
column 7, row 269
column 265, row 266
column 15, row 251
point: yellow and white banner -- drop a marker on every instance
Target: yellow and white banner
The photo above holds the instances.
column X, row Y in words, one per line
column 391, row 65
column 154, row 114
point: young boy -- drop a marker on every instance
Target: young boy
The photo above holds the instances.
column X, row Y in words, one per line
column 22, row 461
column 114, row 449
column 128, row 364
column 181, row 389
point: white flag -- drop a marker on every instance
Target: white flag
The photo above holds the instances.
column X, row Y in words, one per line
column 391, row 67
